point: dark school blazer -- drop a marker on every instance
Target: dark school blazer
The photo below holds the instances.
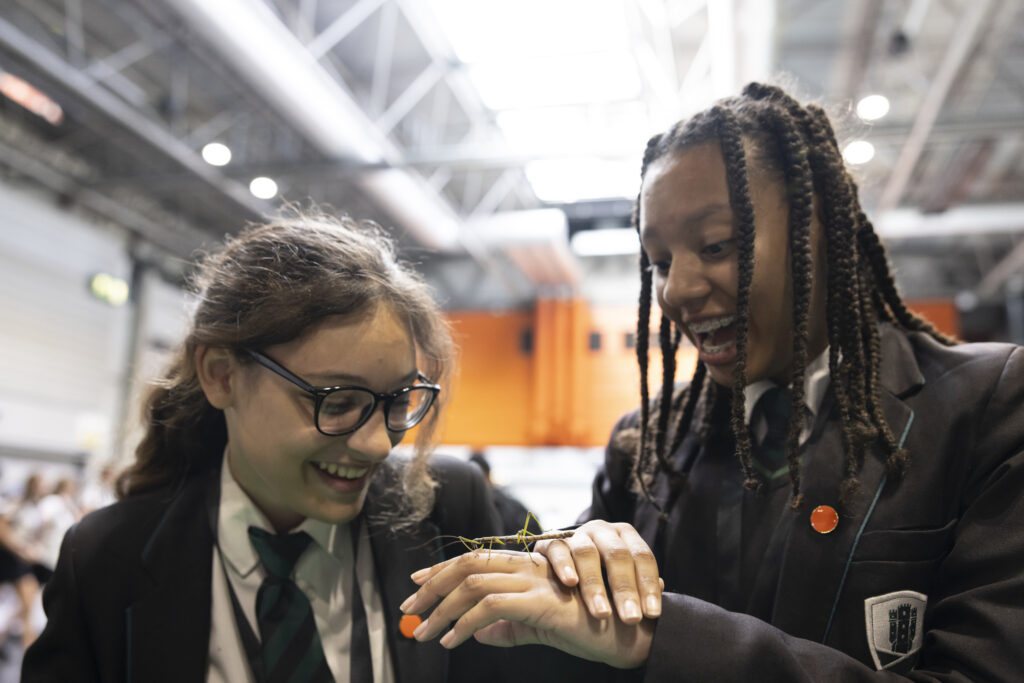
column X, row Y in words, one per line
column 130, row 599
column 951, row 531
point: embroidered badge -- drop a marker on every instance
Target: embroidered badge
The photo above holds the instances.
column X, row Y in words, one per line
column 894, row 624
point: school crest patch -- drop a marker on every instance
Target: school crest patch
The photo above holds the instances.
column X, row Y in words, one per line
column 894, row 624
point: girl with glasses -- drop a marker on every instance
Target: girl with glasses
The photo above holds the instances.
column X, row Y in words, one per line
column 263, row 533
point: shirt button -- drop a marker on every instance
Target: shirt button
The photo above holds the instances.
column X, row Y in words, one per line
column 824, row 519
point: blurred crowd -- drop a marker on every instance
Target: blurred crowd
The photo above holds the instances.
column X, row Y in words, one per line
column 33, row 520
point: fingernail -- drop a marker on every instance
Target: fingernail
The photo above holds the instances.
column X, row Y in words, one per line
column 570, row 573
column 421, row 629
column 416, row 576
column 653, row 606
column 404, row 607
column 447, row 639
column 630, row 610
column 601, row 606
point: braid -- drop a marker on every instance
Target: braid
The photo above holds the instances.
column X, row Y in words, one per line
column 801, row 192
column 668, row 374
column 731, row 138
column 642, row 342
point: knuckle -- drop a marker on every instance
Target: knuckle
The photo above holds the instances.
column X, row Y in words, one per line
column 591, row 581
column 493, row 601
column 619, row 554
column 584, row 552
column 642, row 555
column 473, row 582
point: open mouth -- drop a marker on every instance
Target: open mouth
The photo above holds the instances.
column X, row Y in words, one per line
column 714, row 336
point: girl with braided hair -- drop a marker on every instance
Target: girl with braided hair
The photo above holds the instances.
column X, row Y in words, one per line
column 838, row 491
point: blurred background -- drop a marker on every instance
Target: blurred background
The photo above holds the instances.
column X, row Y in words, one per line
column 499, row 141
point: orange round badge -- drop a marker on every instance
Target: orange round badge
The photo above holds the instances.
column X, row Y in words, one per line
column 824, row 519
column 408, row 623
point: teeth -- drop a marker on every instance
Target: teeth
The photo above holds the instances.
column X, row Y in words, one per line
column 708, row 326
column 341, row 471
column 713, row 349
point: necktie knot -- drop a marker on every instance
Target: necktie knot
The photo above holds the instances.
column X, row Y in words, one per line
column 278, row 552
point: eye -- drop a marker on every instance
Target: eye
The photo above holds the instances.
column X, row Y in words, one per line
column 718, row 250
column 661, row 267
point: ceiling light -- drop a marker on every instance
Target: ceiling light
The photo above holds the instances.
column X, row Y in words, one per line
column 25, row 94
column 216, row 154
column 263, row 187
column 605, row 242
column 873, row 107
column 859, row 152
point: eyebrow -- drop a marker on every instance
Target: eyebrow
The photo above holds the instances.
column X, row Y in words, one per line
column 344, row 379
column 702, row 214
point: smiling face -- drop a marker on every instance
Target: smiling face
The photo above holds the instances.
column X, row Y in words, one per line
column 288, row 468
column 688, row 231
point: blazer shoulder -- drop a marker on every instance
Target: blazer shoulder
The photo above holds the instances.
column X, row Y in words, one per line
column 463, row 502
column 124, row 526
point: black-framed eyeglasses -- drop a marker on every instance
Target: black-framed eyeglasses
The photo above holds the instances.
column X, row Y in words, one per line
column 342, row 410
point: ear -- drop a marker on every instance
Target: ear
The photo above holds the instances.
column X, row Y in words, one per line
column 217, row 369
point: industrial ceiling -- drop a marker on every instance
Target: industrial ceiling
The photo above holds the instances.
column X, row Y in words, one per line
column 460, row 124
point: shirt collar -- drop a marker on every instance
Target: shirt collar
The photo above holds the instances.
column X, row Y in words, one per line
column 816, row 380
column 238, row 512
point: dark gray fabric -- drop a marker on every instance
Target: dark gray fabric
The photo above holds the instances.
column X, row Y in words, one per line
column 953, row 529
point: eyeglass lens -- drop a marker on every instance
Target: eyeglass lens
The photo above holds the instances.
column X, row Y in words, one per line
column 343, row 410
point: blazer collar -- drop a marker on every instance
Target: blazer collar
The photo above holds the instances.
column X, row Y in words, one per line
column 899, row 372
column 169, row 626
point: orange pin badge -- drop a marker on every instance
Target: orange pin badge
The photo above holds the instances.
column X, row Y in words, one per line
column 824, row 519
column 408, row 623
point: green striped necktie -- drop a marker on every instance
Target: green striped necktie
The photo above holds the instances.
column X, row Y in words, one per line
column 290, row 648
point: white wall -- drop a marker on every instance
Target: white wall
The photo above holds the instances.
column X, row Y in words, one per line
column 62, row 352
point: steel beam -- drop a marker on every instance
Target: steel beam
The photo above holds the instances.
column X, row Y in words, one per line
column 79, row 85
column 962, row 43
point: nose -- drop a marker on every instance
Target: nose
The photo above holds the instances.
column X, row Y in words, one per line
column 686, row 287
column 372, row 439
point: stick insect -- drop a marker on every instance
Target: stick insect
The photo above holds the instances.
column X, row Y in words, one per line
column 524, row 537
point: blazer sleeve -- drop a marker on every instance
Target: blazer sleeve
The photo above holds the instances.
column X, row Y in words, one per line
column 976, row 607
column 62, row 652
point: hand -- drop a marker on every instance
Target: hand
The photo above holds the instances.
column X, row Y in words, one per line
column 506, row 598
column 628, row 561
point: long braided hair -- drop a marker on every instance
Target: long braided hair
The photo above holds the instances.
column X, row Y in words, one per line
column 799, row 144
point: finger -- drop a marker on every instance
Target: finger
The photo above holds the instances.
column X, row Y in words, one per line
column 620, row 571
column 515, row 606
column 587, row 559
column 646, row 570
column 420, row 576
column 473, row 590
column 442, row 582
column 560, row 558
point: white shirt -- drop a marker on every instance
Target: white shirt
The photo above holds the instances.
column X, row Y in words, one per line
column 816, row 380
column 323, row 573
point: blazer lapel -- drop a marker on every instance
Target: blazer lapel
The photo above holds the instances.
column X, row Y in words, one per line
column 396, row 555
column 169, row 626
column 814, row 565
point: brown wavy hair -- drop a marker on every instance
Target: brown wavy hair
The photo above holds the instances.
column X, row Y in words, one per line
column 766, row 131
column 269, row 285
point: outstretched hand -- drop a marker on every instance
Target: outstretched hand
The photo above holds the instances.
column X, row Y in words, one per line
column 506, row 598
column 600, row 548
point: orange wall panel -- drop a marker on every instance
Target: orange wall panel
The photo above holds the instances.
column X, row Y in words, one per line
column 942, row 313
column 490, row 394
